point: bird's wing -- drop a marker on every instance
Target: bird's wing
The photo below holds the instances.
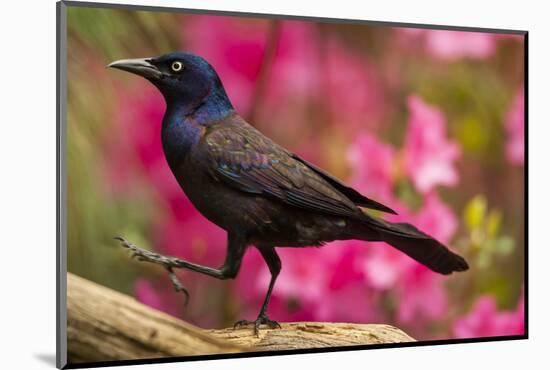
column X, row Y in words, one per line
column 243, row 158
column 351, row 193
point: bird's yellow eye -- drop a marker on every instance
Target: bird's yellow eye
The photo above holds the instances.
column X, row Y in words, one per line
column 177, row 66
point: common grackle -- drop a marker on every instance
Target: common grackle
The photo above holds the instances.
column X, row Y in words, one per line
column 259, row 192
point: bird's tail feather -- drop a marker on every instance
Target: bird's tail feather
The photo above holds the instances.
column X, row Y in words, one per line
column 419, row 246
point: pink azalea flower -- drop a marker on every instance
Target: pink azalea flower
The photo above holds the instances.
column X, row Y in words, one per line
column 306, row 281
column 485, row 320
column 385, row 266
column 516, row 131
column 428, row 154
column 428, row 299
column 436, row 219
column 372, row 162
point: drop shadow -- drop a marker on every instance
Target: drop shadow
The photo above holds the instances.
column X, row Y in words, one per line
column 47, row 358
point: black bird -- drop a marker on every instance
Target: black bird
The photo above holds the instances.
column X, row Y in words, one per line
column 259, row 192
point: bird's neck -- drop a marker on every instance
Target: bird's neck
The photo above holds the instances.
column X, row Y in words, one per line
column 211, row 110
column 183, row 125
column 204, row 105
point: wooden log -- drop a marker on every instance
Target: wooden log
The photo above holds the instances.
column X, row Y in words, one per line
column 301, row 335
column 105, row 325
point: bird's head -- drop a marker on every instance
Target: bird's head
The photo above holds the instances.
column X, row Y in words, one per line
column 184, row 79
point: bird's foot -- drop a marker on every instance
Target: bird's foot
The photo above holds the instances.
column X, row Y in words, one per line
column 143, row 254
column 167, row 262
column 262, row 319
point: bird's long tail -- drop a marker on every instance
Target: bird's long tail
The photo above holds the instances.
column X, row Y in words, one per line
column 418, row 245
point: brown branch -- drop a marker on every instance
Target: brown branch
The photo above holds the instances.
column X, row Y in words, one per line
column 104, row 325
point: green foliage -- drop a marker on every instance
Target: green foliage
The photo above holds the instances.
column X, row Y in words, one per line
column 483, row 227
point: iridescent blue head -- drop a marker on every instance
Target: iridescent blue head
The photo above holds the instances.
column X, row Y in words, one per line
column 188, row 83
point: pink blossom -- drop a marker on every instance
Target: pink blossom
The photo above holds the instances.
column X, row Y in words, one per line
column 485, row 320
column 428, row 299
column 385, row 266
column 428, row 154
column 372, row 162
column 306, row 281
column 436, row 218
column 516, row 130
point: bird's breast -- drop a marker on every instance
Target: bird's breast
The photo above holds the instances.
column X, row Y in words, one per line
column 178, row 136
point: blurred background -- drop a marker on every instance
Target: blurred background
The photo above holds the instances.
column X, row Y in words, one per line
column 428, row 122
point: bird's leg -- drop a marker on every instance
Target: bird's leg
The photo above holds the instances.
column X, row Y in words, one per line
column 235, row 252
column 274, row 263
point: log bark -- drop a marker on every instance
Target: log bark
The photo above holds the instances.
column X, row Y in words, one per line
column 104, row 325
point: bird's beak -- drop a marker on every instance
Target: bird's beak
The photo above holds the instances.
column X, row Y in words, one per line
column 141, row 66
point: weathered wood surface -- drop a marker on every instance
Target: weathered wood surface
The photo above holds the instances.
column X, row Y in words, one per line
column 105, row 325
column 300, row 335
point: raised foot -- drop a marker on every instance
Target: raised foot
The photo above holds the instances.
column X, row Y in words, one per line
column 262, row 319
column 167, row 262
column 143, row 254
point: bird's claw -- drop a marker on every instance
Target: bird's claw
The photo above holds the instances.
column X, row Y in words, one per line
column 262, row 319
column 148, row 256
column 137, row 252
column 126, row 244
column 178, row 286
